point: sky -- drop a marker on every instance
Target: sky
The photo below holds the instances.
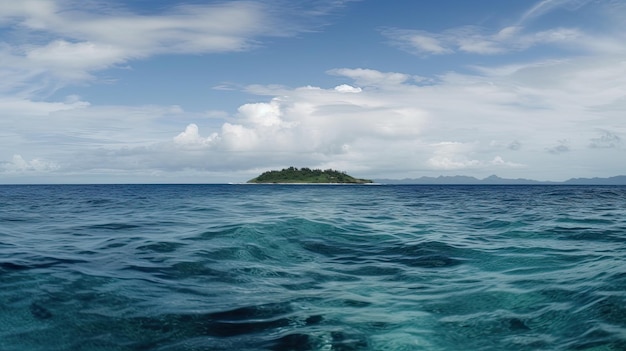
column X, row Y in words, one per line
column 200, row 91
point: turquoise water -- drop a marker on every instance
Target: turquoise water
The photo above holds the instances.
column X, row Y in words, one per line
column 272, row 267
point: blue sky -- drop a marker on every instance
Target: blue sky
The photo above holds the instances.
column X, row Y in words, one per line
column 218, row 91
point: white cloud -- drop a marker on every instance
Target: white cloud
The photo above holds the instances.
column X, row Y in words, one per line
column 73, row 61
column 518, row 36
column 545, row 6
column 426, row 43
column 75, row 39
column 496, row 121
column 187, row 29
column 499, row 161
column 370, row 77
column 501, row 119
column 16, row 106
column 476, row 40
column 79, row 137
column 191, row 137
column 262, row 114
column 455, row 156
column 239, row 138
column 19, row 165
column 345, row 88
column 32, row 12
column 452, row 156
column 473, row 124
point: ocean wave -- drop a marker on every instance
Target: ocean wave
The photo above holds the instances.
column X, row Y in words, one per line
column 313, row 268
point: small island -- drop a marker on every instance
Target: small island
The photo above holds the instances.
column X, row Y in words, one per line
column 293, row 175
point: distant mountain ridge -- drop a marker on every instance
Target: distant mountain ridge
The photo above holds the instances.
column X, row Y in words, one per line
column 495, row 180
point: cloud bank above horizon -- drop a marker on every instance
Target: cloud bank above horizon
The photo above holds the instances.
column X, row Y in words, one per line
column 533, row 92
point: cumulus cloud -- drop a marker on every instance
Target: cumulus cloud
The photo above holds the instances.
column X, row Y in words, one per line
column 394, row 126
column 499, row 161
column 311, row 126
column 262, row 114
column 345, row 88
column 442, row 163
column 323, row 122
column 191, row 137
column 451, row 156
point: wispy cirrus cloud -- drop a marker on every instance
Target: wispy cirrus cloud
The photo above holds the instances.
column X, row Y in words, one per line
column 545, row 6
column 73, row 44
column 518, row 36
column 477, row 40
column 69, row 41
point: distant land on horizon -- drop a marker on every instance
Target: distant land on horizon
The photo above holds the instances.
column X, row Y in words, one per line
column 293, row 175
column 495, row 180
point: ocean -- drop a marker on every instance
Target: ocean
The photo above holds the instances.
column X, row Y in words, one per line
column 312, row 267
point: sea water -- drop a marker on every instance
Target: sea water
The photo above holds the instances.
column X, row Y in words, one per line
column 304, row 267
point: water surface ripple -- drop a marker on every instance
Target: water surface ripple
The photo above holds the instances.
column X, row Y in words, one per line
column 278, row 267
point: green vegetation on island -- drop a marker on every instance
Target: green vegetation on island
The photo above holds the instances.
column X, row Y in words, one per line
column 307, row 176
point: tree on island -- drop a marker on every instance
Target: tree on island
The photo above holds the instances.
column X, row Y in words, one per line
column 307, row 175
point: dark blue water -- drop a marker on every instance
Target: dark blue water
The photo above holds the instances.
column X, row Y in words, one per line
column 271, row 267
